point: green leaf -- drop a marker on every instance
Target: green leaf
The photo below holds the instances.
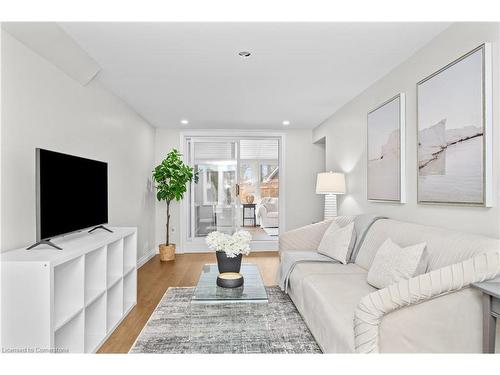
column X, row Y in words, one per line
column 171, row 177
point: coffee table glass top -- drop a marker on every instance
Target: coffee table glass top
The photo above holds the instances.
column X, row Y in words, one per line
column 252, row 290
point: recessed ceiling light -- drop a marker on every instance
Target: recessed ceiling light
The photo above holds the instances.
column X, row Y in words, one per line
column 286, row 122
column 244, row 54
column 184, row 122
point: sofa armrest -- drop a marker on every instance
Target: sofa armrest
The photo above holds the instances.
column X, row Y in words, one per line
column 304, row 238
column 452, row 323
column 420, row 289
column 262, row 211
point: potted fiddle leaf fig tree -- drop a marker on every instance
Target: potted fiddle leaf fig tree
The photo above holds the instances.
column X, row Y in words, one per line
column 171, row 178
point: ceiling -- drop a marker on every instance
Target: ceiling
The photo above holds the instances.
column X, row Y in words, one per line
column 300, row 72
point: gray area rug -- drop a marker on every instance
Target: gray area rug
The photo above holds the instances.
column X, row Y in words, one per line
column 177, row 326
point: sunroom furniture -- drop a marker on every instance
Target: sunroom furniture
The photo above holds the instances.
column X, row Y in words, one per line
column 268, row 212
column 248, row 214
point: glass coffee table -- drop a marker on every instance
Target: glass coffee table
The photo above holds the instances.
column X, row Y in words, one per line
column 252, row 290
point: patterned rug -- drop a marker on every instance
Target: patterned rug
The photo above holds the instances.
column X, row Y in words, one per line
column 177, row 326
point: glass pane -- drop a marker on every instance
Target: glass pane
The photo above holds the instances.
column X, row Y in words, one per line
column 269, row 177
column 259, row 187
column 215, row 193
column 252, row 290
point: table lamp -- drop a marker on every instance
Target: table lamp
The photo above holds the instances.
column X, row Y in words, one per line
column 330, row 184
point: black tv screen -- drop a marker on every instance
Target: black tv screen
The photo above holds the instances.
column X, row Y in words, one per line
column 72, row 193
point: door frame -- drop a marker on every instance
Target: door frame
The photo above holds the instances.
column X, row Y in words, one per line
column 189, row 246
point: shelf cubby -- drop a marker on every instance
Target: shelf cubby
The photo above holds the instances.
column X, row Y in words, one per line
column 68, row 290
column 114, row 262
column 95, row 324
column 70, row 337
column 95, row 274
column 129, row 253
column 114, row 305
column 129, row 290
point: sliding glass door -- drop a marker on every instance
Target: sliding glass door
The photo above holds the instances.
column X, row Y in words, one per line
column 238, row 187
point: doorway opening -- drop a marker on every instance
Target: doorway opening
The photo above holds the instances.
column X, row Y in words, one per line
column 238, row 189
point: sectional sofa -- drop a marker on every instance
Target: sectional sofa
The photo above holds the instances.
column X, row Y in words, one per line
column 435, row 312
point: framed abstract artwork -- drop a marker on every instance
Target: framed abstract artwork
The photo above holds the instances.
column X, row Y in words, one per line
column 386, row 151
column 454, row 121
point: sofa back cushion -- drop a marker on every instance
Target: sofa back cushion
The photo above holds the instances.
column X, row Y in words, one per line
column 271, row 204
column 444, row 246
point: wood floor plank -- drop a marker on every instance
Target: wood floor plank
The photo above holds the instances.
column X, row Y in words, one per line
column 155, row 277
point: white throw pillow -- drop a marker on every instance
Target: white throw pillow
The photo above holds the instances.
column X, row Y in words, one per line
column 337, row 242
column 393, row 263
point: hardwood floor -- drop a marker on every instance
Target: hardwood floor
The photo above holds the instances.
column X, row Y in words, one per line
column 155, row 277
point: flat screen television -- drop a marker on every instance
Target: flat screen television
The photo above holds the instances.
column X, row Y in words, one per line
column 72, row 193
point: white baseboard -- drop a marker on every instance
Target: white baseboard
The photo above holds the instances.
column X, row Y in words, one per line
column 151, row 253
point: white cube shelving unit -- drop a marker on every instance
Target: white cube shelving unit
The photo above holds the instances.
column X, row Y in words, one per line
column 115, row 262
column 95, row 274
column 95, row 324
column 129, row 291
column 115, row 305
column 70, row 336
column 69, row 300
column 68, row 291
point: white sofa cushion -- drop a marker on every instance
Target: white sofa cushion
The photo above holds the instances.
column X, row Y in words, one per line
column 393, row 264
column 328, row 310
column 302, row 271
column 271, row 204
column 337, row 242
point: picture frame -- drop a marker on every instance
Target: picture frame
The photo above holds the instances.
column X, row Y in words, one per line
column 386, row 151
column 454, row 132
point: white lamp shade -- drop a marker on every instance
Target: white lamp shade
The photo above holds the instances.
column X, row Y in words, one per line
column 330, row 183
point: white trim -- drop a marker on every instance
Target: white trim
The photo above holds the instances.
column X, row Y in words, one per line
column 142, row 260
column 229, row 133
column 402, row 146
column 199, row 246
column 488, row 126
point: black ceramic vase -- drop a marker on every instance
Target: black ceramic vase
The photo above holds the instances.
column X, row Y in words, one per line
column 226, row 264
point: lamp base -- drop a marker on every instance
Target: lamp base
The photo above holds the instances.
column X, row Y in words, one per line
column 330, row 206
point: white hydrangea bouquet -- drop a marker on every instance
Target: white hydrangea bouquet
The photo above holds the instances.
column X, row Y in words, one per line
column 238, row 243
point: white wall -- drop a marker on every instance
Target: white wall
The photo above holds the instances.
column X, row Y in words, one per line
column 345, row 133
column 43, row 107
column 303, row 160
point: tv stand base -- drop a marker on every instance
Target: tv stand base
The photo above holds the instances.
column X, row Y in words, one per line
column 44, row 242
column 100, row 227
